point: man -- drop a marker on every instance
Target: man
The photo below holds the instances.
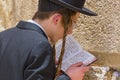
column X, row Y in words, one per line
column 26, row 54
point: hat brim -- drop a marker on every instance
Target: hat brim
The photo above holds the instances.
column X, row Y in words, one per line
column 74, row 8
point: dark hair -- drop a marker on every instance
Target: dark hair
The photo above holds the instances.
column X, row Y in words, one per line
column 66, row 15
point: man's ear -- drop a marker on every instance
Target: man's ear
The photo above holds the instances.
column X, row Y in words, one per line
column 56, row 18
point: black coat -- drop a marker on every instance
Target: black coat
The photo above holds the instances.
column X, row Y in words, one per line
column 26, row 54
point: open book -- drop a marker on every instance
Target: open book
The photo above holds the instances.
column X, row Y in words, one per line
column 73, row 53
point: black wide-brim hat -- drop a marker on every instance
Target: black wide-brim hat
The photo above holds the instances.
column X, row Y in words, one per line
column 75, row 5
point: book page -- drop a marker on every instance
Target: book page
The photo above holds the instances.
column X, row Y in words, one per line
column 73, row 53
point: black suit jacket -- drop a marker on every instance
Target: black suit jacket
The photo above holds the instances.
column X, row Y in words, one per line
column 26, row 54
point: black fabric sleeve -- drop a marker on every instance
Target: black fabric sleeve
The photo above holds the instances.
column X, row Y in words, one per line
column 63, row 76
column 40, row 64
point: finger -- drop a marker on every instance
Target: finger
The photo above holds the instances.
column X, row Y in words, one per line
column 85, row 69
column 78, row 64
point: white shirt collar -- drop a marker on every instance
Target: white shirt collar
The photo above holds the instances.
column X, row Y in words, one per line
column 32, row 21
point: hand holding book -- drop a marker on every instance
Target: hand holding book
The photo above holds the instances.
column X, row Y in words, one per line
column 73, row 53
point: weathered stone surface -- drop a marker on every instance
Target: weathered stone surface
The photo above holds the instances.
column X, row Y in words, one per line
column 101, row 33
column 102, row 73
column 1, row 27
column 11, row 11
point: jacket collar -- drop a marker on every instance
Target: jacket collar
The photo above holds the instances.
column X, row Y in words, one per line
column 30, row 26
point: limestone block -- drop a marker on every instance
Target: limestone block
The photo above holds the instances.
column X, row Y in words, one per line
column 107, row 59
column 102, row 73
column 1, row 27
column 12, row 11
column 101, row 33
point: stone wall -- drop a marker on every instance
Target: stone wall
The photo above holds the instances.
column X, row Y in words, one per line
column 100, row 35
column 11, row 11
